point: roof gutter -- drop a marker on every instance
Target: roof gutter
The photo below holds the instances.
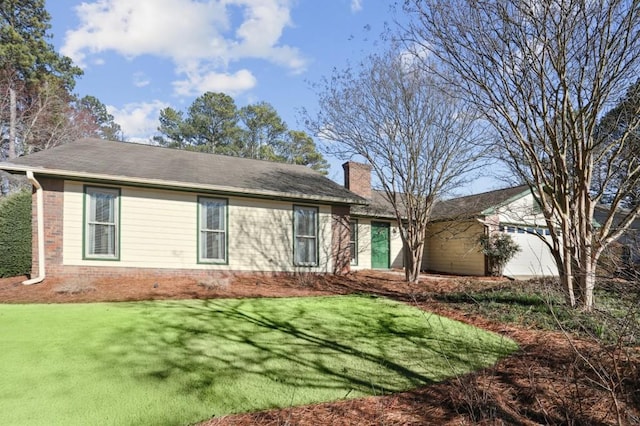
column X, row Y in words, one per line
column 40, row 218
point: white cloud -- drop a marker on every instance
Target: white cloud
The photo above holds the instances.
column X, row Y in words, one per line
column 199, row 82
column 198, row 33
column 175, row 29
column 140, row 79
column 138, row 120
column 356, row 6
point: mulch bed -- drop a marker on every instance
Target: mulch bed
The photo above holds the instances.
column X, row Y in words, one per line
column 546, row 382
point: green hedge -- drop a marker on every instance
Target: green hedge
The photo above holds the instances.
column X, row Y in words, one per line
column 15, row 234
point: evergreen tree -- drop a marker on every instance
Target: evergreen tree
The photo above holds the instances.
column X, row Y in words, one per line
column 34, row 78
column 101, row 124
column 214, row 124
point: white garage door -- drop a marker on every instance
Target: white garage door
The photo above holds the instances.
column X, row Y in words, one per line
column 534, row 257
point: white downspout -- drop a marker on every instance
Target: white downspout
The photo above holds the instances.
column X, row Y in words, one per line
column 40, row 219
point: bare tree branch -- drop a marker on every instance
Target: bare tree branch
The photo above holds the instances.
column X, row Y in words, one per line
column 543, row 74
column 421, row 142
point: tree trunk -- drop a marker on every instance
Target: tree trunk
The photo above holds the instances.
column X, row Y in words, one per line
column 587, row 281
column 412, row 262
column 565, row 267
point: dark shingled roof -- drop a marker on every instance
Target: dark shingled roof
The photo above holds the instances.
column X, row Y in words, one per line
column 378, row 207
column 170, row 167
column 474, row 205
column 455, row 208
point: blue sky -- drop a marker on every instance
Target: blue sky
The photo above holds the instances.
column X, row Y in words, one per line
column 140, row 56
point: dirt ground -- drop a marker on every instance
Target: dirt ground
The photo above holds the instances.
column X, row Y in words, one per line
column 543, row 383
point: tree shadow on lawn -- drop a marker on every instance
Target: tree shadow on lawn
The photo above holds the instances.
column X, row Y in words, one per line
column 253, row 354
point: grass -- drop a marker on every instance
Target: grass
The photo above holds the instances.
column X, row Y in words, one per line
column 178, row 362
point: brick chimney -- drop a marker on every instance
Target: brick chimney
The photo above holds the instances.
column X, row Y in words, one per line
column 357, row 178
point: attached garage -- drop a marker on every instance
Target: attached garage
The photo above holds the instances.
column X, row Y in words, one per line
column 452, row 244
column 451, row 247
column 534, row 257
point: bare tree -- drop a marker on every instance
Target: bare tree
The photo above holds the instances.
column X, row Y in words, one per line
column 44, row 120
column 419, row 140
column 543, row 73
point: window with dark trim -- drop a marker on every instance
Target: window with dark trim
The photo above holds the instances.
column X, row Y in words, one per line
column 101, row 228
column 212, row 230
column 305, row 236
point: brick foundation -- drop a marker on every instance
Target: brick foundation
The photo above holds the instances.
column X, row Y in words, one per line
column 96, row 273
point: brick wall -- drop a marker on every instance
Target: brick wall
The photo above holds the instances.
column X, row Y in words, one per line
column 94, row 273
column 357, row 178
column 53, row 195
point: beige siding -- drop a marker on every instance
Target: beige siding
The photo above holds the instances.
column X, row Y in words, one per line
column 397, row 262
column 452, row 248
column 159, row 228
column 364, row 245
column 521, row 211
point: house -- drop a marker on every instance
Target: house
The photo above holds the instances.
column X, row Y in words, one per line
column 622, row 257
column 105, row 208
column 451, row 244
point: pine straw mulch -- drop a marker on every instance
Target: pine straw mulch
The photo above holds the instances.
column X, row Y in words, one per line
column 546, row 382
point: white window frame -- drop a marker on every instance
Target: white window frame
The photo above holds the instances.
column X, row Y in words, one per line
column 203, row 204
column 91, row 224
column 353, row 241
column 299, row 237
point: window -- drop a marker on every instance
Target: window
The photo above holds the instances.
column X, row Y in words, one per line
column 101, row 239
column 353, row 241
column 212, row 225
column 305, row 236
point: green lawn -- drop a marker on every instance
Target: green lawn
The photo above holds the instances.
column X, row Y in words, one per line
column 177, row 362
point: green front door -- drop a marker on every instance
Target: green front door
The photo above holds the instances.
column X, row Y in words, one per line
column 380, row 245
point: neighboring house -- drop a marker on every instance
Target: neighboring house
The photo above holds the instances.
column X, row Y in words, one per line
column 115, row 208
column 624, row 255
column 451, row 245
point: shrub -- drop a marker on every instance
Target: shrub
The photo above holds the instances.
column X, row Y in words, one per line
column 15, row 234
column 499, row 249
